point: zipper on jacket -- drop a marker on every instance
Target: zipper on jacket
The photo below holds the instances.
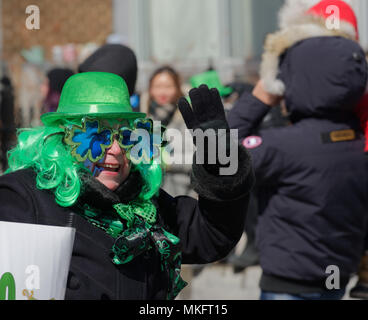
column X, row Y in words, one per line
column 70, row 220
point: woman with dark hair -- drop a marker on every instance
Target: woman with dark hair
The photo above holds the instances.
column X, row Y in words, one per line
column 164, row 92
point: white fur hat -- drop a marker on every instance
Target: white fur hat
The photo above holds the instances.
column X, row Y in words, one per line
column 299, row 20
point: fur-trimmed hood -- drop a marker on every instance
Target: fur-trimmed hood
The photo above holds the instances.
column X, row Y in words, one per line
column 295, row 25
column 323, row 77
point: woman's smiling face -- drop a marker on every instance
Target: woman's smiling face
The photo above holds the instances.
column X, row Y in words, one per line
column 115, row 167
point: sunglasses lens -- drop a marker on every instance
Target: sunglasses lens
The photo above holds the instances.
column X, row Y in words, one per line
column 93, row 137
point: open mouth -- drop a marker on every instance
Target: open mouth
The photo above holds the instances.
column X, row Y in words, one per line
column 109, row 167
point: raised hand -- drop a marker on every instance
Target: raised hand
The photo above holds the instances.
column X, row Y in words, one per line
column 207, row 110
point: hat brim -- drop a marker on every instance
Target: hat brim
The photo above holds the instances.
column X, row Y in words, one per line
column 54, row 118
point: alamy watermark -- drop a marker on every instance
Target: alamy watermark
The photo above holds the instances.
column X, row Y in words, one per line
column 333, row 280
column 211, row 147
column 333, row 20
column 33, row 19
column 8, row 283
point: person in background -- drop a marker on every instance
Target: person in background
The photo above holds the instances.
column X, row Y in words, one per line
column 312, row 175
column 120, row 60
column 164, row 91
column 52, row 87
column 160, row 103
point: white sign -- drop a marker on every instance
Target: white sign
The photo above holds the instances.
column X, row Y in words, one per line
column 34, row 261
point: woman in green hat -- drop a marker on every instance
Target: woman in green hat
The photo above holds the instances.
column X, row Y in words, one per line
column 82, row 169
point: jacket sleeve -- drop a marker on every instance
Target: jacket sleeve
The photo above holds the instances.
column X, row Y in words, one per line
column 247, row 115
column 16, row 204
column 211, row 226
column 267, row 159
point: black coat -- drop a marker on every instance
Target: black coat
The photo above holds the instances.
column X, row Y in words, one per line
column 313, row 192
column 208, row 229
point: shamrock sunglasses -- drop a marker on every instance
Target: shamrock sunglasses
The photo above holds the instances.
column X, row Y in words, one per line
column 137, row 138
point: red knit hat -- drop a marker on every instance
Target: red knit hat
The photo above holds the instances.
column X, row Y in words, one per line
column 346, row 14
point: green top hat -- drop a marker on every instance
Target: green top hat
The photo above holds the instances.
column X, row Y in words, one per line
column 93, row 94
column 212, row 80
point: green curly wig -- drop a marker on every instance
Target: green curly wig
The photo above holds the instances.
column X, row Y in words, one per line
column 42, row 150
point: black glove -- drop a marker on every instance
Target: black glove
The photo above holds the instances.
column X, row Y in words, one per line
column 207, row 113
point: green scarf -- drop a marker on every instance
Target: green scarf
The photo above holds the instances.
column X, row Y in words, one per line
column 136, row 231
